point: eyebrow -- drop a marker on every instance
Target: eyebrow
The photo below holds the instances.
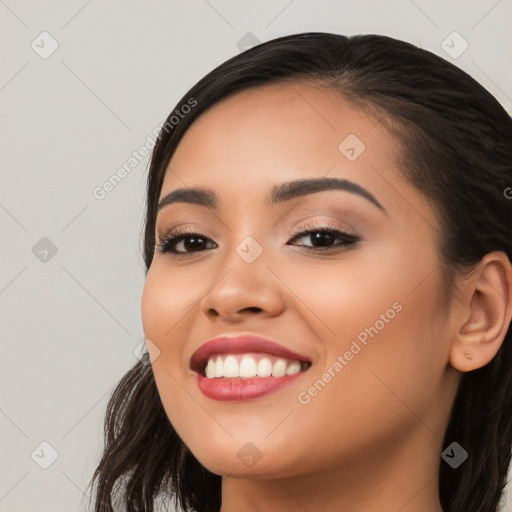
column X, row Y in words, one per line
column 280, row 193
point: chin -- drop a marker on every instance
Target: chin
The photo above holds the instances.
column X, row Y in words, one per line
column 237, row 458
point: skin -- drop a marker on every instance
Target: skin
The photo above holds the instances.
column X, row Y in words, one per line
column 371, row 438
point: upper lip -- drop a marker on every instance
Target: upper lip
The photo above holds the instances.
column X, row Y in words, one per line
column 239, row 344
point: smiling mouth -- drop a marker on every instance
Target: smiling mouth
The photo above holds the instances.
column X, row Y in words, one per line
column 249, row 365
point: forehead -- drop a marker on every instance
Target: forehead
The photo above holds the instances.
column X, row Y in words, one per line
column 276, row 131
column 249, row 143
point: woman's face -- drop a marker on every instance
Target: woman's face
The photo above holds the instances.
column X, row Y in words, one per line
column 370, row 316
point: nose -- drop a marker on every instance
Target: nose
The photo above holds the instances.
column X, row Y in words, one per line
column 242, row 291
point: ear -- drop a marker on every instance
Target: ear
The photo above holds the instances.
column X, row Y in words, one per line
column 486, row 298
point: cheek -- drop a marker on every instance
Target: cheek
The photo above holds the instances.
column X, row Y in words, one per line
column 163, row 311
column 167, row 300
column 166, row 297
column 342, row 297
column 391, row 336
column 154, row 308
column 380, row 391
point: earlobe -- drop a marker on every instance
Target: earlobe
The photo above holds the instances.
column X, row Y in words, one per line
column 486, row 313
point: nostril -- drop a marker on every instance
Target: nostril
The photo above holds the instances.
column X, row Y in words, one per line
column 253, row 309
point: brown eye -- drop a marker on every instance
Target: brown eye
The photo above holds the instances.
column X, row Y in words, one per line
column 322, row 238
column 182, row 242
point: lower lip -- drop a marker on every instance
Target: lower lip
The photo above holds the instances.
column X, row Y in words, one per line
column 241, row 389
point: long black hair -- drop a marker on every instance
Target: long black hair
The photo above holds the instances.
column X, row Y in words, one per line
column 456, row 147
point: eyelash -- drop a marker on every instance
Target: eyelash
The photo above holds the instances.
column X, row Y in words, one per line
column 167, row 244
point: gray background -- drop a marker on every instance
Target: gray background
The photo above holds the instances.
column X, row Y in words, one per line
column 70, row 321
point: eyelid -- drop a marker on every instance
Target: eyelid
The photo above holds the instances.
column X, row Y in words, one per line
column 168, row 242
column 317, row 220
column 319, row 225
column 343, row 221
column 163, row 231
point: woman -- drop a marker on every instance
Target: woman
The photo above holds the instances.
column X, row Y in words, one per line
column 328, row 292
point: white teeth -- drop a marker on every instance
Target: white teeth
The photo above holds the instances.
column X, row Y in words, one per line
column 210, row 369
column 219, row 367
column 248, row 367
column 231, row 368
column 279, row 368
column 293, row 368
column 264, row 367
